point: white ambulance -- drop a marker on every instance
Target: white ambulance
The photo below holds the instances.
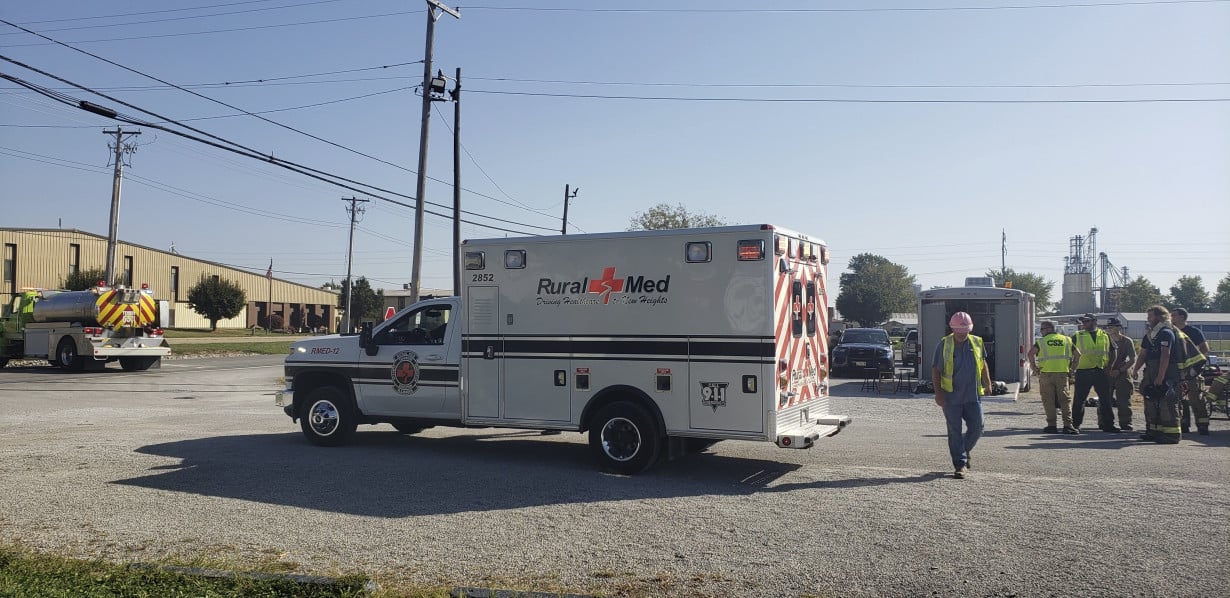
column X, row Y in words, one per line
column 653, row 342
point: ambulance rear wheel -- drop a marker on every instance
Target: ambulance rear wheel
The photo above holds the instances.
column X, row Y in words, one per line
column 327, row 416
column 624, row 438
column 67, row 357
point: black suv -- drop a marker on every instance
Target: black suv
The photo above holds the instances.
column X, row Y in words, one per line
column 909, row 348
column 863, row 348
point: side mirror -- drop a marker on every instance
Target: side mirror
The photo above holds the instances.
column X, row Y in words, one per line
column 365, row 339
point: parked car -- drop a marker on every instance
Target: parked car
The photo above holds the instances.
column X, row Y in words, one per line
column 909, row 348
column 863, row 348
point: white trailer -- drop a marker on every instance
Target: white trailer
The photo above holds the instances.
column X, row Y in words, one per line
column 651, row 341
column 1004, row 318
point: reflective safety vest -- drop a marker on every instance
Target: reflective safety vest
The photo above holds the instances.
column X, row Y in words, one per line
column 949, row 348
column 1094, row 349
column 1196, row 356
column 1054, row 353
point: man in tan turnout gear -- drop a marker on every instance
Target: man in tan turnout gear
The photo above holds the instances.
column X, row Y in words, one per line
column 1051, row 357
column 1122, row 355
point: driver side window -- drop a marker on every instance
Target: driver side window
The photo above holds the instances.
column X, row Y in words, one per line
column 423, row 326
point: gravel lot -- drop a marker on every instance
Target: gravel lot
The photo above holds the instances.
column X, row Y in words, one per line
column 194, row 459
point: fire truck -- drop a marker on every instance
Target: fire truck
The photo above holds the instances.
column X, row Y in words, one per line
column 79, row 330
column 654, row 342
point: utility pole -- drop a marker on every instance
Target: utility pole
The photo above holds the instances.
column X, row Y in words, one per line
column 563, row 229
column 354, row 211
column 429, row 85
column 457, row 184
column 1003, row 255
column 120, row 148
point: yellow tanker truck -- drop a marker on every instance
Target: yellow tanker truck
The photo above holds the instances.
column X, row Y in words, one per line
column 78, row 330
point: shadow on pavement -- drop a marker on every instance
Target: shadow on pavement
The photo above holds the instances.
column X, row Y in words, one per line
column 392, row 475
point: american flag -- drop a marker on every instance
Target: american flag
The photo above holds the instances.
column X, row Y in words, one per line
column 269, row 272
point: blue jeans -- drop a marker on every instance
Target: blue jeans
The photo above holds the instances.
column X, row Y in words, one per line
column 960, row 444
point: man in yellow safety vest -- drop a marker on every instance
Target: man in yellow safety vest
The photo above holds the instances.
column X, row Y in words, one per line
column 1051, row 357
column 1093, row 345
column 958, row 371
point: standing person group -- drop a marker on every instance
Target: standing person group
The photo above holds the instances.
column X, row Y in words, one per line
column 960, row 377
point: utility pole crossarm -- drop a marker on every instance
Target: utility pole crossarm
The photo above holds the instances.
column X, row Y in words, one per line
column 441, row 6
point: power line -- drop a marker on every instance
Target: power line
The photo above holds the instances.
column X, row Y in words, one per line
column 836, row 100
column 270, row 121
column 207, row 98
column 482, row 170
column 148, row 12
column 842, row 10
column 168, row 19
column 242, row 150
column 848, row 85
column 166, row 35
column 168, row 188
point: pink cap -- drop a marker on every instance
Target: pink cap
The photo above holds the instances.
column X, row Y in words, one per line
column 961, row 322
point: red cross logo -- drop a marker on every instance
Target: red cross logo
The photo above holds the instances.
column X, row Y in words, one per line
column 606, row 285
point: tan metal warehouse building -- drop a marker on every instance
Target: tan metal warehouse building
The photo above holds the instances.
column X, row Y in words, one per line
column 42, row 257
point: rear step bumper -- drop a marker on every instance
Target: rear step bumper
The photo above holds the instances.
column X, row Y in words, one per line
column 825, row 427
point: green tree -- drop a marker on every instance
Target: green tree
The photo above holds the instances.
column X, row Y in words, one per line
column 83, row 279
column 216, row 299
column 874, row 289
column 1221, row 301
column 364, row 302
column 1189, row 293
column 1029, row 282
column 663, row 217
column 1139, row 295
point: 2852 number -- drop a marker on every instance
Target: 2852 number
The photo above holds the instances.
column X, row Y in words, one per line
column 483, row 278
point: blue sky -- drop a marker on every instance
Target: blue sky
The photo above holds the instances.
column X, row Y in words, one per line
column 916, row 130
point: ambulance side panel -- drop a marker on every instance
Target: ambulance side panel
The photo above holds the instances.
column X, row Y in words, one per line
column 722, row 347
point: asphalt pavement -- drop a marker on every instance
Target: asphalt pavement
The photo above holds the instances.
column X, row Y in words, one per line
column 194, row 460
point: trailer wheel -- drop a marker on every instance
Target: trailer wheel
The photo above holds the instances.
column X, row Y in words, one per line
column 4, row 361
column 624, row 438
column 327, row 416
column 137, row 364
column 67, row 357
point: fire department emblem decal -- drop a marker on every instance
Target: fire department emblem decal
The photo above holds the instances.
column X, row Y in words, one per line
column 713, row 394
column 405, row 372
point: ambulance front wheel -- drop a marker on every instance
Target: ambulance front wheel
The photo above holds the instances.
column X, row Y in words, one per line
column 624, row 438
column 327, row 416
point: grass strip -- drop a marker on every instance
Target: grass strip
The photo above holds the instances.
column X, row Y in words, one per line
column 24, row 573
column 260, row 348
